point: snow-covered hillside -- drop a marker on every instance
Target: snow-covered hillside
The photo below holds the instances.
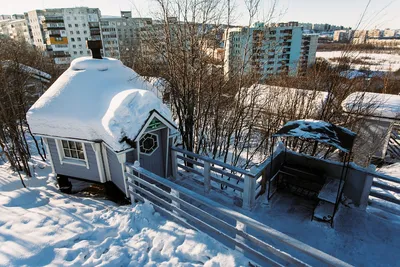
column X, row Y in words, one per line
column 41, row 226
column 376, row 62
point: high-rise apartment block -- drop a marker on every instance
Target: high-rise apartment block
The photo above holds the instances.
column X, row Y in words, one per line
column 342, row 36
column 17, row 29
column 375, row 33
column 12, row 17
column 269, row 49
column 63, row 32
column 123, row 35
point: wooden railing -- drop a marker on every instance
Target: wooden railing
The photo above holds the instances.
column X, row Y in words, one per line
column 394, row 142
column 220, row 222
column 384, row 191
column 211, row 171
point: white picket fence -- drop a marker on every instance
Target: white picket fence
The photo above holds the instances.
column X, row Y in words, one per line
column 198, row 212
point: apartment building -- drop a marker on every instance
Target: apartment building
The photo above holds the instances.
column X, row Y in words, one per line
column 389, row 33
column 109, row 32
column 375, row 33
column 12, row 17
column 63, row 32
column 341, row 36
column 269, row 49
column 17, row 29
column 360, row 37
column 308, row 55
column 126, row 37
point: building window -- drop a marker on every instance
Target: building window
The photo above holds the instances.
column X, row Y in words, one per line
column 78, row 32
column 84, row 32
column 84, row 24
column 73, row 46
column 72, row 39
column 75, row 53
column 76, row 25
column 148, row 143
column 79, row 39
column 70, row 25
column 81, row 52
column 73, row 150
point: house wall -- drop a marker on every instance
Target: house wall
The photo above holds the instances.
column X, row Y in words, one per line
column 131, row 156
column 91, row 174
column 372, row 140
column 117, row 176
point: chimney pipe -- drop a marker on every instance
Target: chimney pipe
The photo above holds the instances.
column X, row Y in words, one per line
column 95, row 46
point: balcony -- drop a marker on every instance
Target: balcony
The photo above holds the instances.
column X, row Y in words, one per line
column 53, row 19
column 50, row 26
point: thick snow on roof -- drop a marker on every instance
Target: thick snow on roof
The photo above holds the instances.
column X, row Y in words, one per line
column 352, row 74
column 34, row 72
column 158, row 85
column 276, row 99
column 376, row 104
column 96, row 99
column 320, row 131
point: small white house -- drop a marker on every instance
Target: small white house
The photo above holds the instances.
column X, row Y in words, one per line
column 380, row 112
column 98, row 116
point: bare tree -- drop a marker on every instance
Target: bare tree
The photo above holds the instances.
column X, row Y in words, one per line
column 19, row 64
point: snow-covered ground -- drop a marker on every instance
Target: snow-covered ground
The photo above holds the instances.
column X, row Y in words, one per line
column 379, row 62
column 40, row 226
column 360, row 238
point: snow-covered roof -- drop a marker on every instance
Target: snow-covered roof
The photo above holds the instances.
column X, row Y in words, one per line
column 276, row 99
column 321, row 131
column 158, row 85
column 96, row 99
column 376, row 104
column 352, row 74
column 38, row 74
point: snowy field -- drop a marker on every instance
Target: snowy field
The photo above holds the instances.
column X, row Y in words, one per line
column 40, row 226
column 378, row 62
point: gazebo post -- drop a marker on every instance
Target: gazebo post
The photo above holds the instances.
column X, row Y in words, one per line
column 271, row 168
column 343, row 176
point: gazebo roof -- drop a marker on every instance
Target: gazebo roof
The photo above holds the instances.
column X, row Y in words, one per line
column 321, row 131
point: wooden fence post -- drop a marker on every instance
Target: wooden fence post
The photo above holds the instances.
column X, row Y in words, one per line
column 207, row 179
column 175, row 193
column 174, row 161
column 249, row 192
column 241, row 227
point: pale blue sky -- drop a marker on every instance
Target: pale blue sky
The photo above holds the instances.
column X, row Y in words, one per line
column 380, row 14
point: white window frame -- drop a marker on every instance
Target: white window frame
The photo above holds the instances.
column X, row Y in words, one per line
column 66, row 160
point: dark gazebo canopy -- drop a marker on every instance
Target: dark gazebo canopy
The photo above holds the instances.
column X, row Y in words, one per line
column 320, row 131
